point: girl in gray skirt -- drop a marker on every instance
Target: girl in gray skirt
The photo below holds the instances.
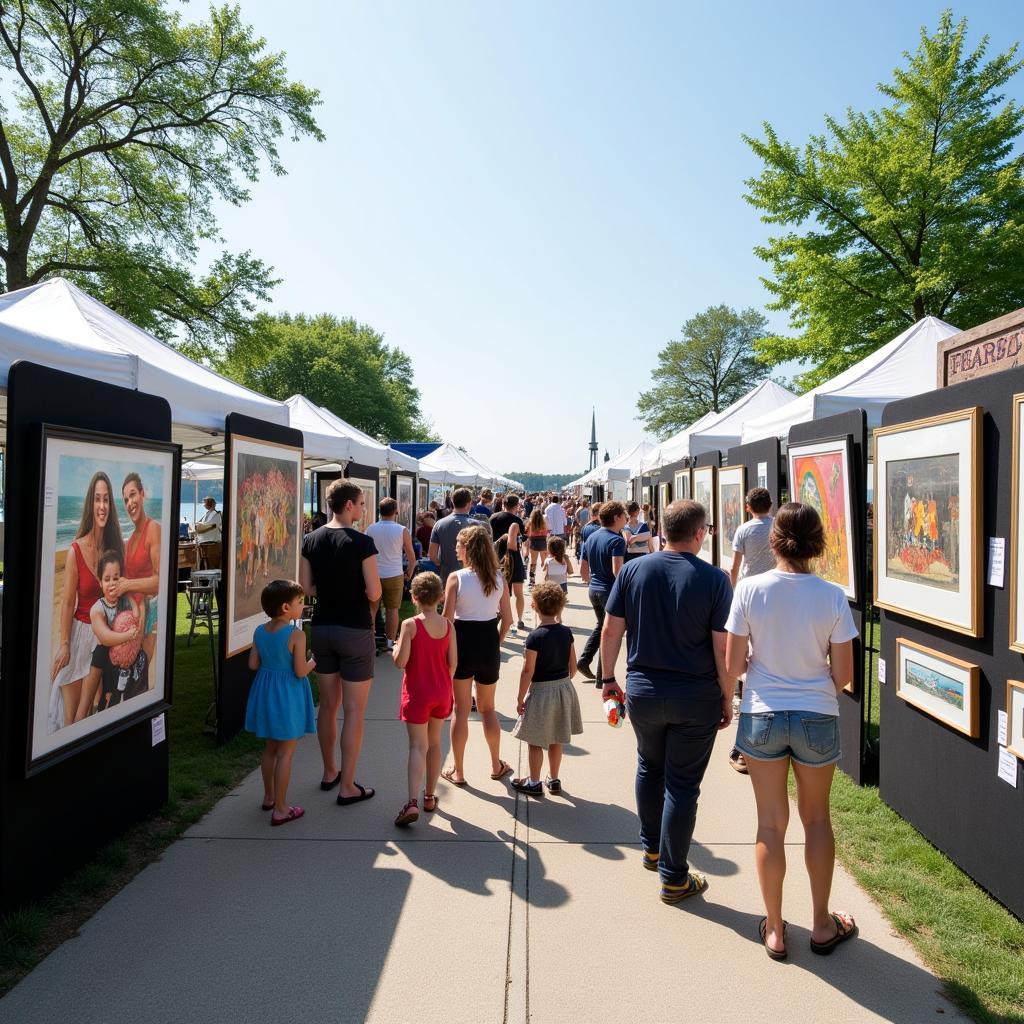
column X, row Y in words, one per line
column 549, row 711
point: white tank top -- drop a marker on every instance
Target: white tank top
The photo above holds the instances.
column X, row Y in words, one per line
column 471, row 602
column 556, row 573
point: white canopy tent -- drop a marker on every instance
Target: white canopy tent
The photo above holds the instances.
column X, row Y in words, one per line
column 196, row 471
column 56, row 324
column 719, row 431
column 448, row 465
column 903, row 367
column 362, row 441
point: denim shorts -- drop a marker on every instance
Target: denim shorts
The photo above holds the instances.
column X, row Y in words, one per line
column 808, row 737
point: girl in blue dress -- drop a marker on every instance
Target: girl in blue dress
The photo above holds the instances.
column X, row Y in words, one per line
column 280, row 707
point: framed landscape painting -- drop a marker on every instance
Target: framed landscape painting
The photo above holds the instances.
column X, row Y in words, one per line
column 681, row 484
column 732, row 481
column 704, row 494
column 819, row 476
column 1016, row 533
column 264, row 530
column 928, row 520
column 939, row 685
column 108, row 515
column 1015, row 717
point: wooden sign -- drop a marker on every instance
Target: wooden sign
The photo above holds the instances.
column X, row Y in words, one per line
column 987, row 348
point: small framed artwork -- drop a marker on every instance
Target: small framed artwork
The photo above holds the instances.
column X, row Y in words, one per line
column 1016, row 533
column 928, row 522
column 382, row 484
column 704, row 494
column 422, row 495
column 819, row 474
column 106, row 574
column 732, row 481
column 264, row 530
column 939, row 685
column 1015, row 717
column 681, row 484
column 369, row 514
column 403, row 494
column 663, row 498
column 645, row 495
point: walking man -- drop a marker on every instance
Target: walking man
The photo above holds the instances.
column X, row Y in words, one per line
column 393, row 541
column 554, row 515
column 507, row 524
column 483, row 508
column 678, row 694
column 446, row 531
column 600, row 562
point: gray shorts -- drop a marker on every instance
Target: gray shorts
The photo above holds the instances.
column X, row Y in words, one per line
column 350, row 652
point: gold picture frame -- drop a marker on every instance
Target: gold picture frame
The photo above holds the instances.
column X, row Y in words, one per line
column 1016, row 534
column 928, row 544
column 941, row 686
column 681, row 484
column 1015, row 717
column 704, row 494
column 729, row 496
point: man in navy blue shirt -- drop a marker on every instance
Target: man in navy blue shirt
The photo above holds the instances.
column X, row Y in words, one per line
column 672, row 608
column 483, row 506
column 600, row 562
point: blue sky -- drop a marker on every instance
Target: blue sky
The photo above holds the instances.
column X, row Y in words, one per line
column 531, row 198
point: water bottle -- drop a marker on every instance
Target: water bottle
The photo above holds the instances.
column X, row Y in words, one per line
column 122, row 680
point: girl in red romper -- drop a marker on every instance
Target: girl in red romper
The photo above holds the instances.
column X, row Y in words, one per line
column 426, row 650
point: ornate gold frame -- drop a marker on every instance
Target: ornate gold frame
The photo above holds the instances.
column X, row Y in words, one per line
column 973, row 729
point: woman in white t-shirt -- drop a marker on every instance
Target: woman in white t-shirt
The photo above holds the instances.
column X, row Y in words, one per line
column 792, row 633
column 476, row 600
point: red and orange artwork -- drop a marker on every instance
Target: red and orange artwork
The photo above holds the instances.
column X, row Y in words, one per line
column 819, row 481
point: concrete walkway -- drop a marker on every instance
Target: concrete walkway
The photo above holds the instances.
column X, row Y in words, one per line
column 493, row 909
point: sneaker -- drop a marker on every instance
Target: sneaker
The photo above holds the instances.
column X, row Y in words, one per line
column 521, row 625
column 583, row 667
column 737, row 762
column 514, row 633
column 528, row 787
column 554, row 785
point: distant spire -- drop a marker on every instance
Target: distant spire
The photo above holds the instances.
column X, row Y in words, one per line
column 593, row 440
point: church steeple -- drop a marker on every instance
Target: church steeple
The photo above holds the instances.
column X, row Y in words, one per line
column 593, row 441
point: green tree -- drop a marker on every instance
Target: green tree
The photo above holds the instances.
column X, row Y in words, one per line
column 342, row 365
column 913, row 209
column 712, row 366
column 120, row 126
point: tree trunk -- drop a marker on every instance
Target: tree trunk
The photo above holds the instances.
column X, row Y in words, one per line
column 919, row 311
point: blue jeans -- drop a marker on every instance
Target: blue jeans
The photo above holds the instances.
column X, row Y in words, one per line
column 674, row 739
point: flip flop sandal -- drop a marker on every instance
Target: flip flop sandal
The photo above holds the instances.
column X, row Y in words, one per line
column 504, row 769
column 327, row 786
column 695, row 884
column 408, row 814
column 294, row 813
column 449, row 776
column 775, row 954
column 364, row 794
column 843, row 932
column 267, row 807
column 432, row 799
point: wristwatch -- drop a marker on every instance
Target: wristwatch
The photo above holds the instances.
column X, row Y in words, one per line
column 606, row 680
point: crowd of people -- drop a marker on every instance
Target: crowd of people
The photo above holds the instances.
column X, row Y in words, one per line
column 692, row 632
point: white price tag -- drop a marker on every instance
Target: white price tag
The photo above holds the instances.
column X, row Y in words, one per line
column 1007, row 767
column 881, row 670
column 1003, row 724
column 48, row 498
column 996, row 552
column 159, row 725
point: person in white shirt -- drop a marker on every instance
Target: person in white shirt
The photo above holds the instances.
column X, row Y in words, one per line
column 209, row 536
column 792, row 633
column 554, row 515
column 393, row 541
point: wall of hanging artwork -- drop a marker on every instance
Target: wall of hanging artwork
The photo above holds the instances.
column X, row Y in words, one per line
column 939, row 731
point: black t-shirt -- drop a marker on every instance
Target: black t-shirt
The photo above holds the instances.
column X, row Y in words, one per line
column 552, row 644
column 501, row 523
column 336, row 556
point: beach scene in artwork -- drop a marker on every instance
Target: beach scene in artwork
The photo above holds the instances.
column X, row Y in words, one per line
column 923, row 532
column 935, row 684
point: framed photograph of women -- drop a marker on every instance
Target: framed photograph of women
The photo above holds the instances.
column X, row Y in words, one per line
column 1015, row 717
column 1016, row 533
column 819, row 475
column 264, row 529
column 732, row 482
column 704, row 494
column 403, row 495
column 369, row 515
column 939, row 685
column 107, row 564
column 928, row 520
column 681, row 484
